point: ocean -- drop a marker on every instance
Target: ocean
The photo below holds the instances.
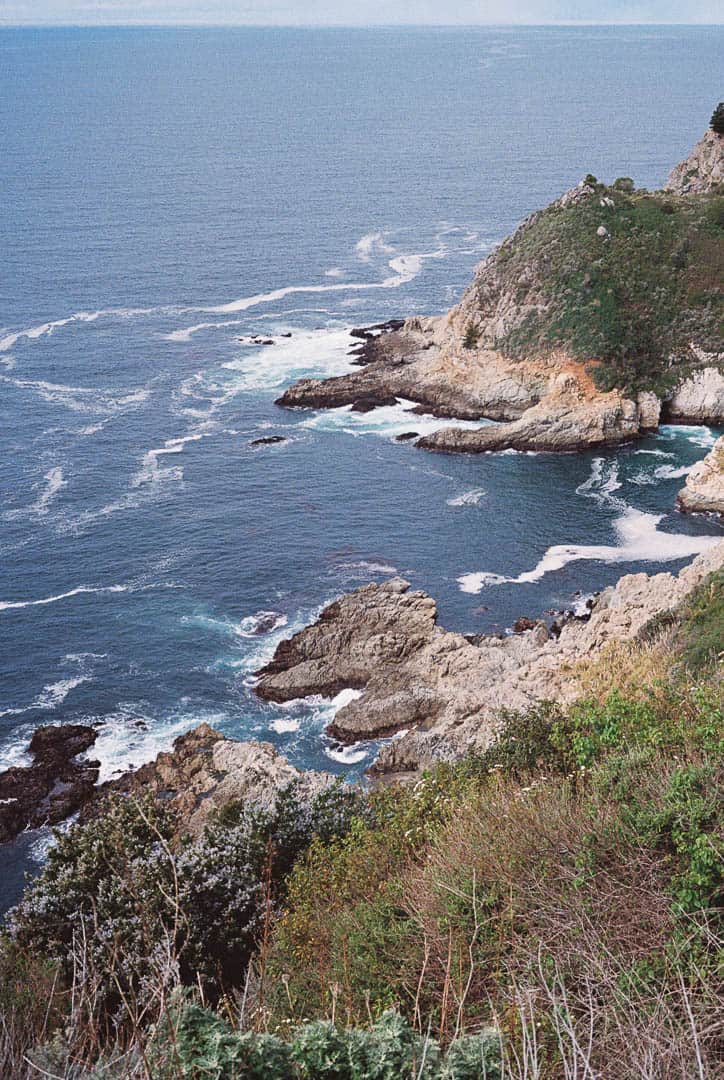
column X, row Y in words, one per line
column 168, row 195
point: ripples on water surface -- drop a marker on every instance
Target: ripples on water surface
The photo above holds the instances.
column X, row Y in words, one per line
column 167, row 196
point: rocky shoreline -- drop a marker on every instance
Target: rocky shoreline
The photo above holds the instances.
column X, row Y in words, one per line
column 440, row 692
column 470, row 365
column 433, row 694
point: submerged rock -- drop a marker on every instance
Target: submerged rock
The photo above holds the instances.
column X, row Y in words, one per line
column 268, row 440
column 54, row 786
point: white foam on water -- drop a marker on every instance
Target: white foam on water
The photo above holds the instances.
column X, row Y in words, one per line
column 662, row 472
column 372, row 244
column 54, row 482
column 344, row 697
column 147, row 483
column 282, row 726
column 672, row 472
column 387, row 421
column 185, row 334
column 311, row 353
column 347, row 755
column 129, row 737
column 83, row 399
column 47, row 328
column 152, row 473
column 405, row 268
column 698, row 434
column 468, row 498
column 55, row 693
column 640, row 540
column 80, row 590
column 50, row 696
column 250, row 627
column 654, row 453
column 365, row 568
column 334, row 272
column 602, row 483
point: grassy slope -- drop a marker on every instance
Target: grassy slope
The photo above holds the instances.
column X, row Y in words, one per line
column 633, row 301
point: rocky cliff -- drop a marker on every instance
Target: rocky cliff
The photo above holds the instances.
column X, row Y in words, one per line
column 575, row 331
column 704, row 490
column 703, row 170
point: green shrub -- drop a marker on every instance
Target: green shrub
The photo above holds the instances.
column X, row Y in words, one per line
column 474, row 1057
column 717, row 119
column 624, row 184
column 195, row 1043
column 131, row 892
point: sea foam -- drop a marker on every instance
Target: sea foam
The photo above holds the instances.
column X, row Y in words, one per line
column 639, row 538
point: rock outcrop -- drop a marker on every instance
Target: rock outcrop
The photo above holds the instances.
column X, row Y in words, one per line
column 441, row 689
column 205, row 770
column 54, row 786
column 703, row 170
column 583, row 296
column 699, row 399
column 704, row 489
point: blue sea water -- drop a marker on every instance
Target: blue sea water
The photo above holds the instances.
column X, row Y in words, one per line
column 166, row 195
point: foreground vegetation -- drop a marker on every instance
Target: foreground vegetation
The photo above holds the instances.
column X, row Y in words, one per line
column 550, row 909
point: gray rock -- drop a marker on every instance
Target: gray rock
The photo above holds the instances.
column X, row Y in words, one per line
column 440, row 692
column 704, row 490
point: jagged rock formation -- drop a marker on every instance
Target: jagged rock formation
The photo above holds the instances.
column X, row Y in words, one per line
column 703, row 170
column 439, row 688
column 205, row 770
column 570, row 330
column 54, row 786
column 704, row 490
column 699, row 399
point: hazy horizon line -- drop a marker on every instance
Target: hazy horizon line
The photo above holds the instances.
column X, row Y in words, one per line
column 204, row 25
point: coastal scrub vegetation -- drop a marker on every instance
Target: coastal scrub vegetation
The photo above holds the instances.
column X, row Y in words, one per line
column 548, row 909
column 717, row 119
column 622, row 279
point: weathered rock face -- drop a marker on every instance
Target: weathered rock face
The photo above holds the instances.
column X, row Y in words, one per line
column 702, row 170
column 566, row 419
column 205, row 770
column 698, row 399
column 439, row 688
column 54, row 786
column 704, row 490
column 491, row 357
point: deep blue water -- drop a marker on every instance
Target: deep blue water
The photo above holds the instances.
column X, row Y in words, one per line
column 166, row 193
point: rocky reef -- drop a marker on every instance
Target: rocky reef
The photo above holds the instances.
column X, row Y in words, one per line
column 576, row 331
column 439, row 691
column 704, row 489
column 54, row 786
